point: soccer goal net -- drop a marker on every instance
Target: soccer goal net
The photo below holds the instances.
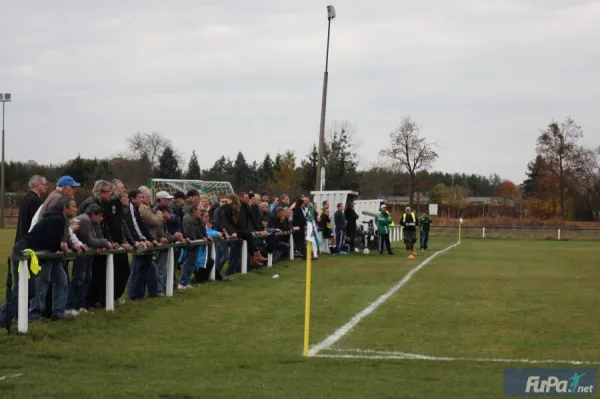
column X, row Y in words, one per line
column 212, row 189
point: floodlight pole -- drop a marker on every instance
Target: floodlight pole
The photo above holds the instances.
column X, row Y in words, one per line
column 4, row 98
column 323, row 108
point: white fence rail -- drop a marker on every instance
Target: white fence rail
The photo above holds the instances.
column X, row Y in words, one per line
column 23, row 309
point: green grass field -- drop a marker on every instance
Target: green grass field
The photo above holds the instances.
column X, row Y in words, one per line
column 481, row 299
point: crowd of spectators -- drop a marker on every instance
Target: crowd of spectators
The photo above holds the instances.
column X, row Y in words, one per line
column 113, row 217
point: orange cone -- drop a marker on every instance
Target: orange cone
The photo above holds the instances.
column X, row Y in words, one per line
column 414, row 253
column 410, row 257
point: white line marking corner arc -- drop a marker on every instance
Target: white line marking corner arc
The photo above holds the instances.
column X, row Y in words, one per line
column 340, row 332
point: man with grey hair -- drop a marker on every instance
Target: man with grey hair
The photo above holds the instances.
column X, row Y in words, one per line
column 30, row 204
column 409, row 223
column 97, row 287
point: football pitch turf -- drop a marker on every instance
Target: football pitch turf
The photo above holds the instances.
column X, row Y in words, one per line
column 441, row 334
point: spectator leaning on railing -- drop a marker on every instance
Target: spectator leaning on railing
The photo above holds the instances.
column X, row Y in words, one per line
column 165, row 237
column 90, row 233
column 141, row 264
column 222, row 247
column 193, row 229
column 205, row 262
column 53, row 272
column 152, row 221
column 47, row 235
column 100, row 196
column 235, row 225
column 114, row 220
column 281, row 222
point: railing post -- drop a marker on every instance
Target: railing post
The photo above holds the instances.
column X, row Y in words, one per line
column 170, row 271
column 292, row 246
column 23, row 311
column 110, row 283
column 559, row 234
column 401, row 234
column 269, row 260
column 213, row 255
column 483, row 232
column 244, row 257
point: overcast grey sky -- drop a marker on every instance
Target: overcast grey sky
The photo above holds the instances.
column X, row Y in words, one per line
column 482, row 76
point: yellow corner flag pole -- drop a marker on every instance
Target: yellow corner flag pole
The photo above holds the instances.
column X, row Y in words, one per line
column 307, row 303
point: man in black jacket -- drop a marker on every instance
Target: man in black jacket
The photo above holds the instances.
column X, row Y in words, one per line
column 141, row 265
column 27, row 210
column 351, row 218
column 47, row 235
column 30, row 204
column 118, row 232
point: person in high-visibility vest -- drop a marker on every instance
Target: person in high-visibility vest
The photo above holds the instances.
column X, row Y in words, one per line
column 409, row 222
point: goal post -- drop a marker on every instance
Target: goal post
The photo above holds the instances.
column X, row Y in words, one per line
column 212, row 189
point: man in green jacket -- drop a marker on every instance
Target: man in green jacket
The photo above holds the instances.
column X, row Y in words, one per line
column 384, row 221
column 425, row 226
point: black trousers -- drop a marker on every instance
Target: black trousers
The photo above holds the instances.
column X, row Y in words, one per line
column 351, row 231
column 202, row 274
column 299, row 242
column 384, row 239
column 121, row 274
column 249, row 238
column 410, row 238
column 97, row 293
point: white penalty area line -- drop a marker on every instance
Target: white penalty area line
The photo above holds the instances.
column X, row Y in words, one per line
column 382, row 355
column 340, row 332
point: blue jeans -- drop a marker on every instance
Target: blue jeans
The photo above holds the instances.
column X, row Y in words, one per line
column 283, row 248
column 161, row 264
column 222, row 254
column 235, row 258
column 10, row 308
column 142, row 267
column 424, row 239
column 189, row 265
column 53, row 273
column 80, row 283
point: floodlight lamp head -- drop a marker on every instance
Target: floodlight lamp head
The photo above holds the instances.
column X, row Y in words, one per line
column 330, row 12
column 7, row 97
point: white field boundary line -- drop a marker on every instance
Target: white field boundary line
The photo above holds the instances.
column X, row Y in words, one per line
column 340, row 332
column 382, row 355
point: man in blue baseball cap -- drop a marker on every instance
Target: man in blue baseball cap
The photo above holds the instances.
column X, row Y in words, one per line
column 66, row 186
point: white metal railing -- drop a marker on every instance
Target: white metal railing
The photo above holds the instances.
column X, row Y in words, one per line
column 23, row 309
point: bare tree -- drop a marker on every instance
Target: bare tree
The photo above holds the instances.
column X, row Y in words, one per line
column 410, row 151
column 148, row 145
column 559, row 147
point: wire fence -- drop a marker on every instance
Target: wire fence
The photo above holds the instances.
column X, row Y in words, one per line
column 23, row 308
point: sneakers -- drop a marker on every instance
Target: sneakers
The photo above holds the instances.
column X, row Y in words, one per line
column 71, row 313
column 84, row 310
column 184, row 287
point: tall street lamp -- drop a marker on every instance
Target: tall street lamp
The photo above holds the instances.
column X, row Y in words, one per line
column 318, row 185
column 5, row 98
